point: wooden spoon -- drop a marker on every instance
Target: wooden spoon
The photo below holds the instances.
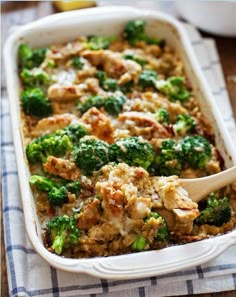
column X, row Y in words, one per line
column 199, row 188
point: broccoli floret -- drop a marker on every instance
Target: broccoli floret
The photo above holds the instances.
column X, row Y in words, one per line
column 162, row 116
column 58, row 196
column 174, row 87
column 74, row 131
column 134, row 32
column 56, row 144
column 63, row 233
column 77, row 63
column 57, row 192
column 136, row 59
column 127, row 87
column 48, row 145
column 74, row 187
column 35, row 103
column 217, row 212
column 35, row 77
column 108, row 84
column 96, row 101
column 170, row 160
column 90, row 155
column 30, row 58
column 184, row 124
column 196, row 150
column 134, row 151
column 114, row 104
column 162, row 233
column 98, row 42
column 147, row 79
column 42, row 183
column 139, row 243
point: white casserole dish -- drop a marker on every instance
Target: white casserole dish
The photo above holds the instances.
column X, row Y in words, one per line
column 108, row 21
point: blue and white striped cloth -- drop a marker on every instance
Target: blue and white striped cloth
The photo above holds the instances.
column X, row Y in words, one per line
column 29, row 275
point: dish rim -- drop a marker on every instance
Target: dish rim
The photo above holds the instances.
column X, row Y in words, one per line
column 121, row 266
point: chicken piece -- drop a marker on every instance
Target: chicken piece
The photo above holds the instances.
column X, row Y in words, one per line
column 186, row 215
column 92, row 86
column 90, row 216
column 99, row 124
column 139, row 208
column 95, row 57
column 176, row 199
column 61, row 52
column 116, row 66
column 142, row 124
column 112, row 200
column 54, row 123
column 64, row 93
column 63, row 168
column 173, row 195
column 113, row 63
column 86, row 72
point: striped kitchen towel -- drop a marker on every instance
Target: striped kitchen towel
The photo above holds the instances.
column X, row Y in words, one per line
column 30, row 275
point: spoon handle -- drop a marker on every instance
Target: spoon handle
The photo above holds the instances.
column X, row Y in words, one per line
column 199, row 188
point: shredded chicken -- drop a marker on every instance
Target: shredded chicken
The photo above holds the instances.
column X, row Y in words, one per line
column 54, row 123
column 63, row 168
column 99, row 124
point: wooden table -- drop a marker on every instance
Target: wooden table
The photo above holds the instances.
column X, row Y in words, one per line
column 21, row 12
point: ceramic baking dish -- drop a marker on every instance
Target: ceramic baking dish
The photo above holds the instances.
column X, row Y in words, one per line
column 108, row 21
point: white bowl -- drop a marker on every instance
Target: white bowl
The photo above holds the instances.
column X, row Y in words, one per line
column 217, row 17
column 108, row 21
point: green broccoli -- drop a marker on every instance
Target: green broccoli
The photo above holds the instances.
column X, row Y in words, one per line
column 169, row 161
column 136, row 59
column 63, row 233
column 114, row 104
column 56, row 144
column 74, row 187
column 162, row 233
column 42, row 183
column 92, row 101
column 30, row 58
column 57, row 192
column 139, row 243
column 58, row 196
column 98, row 42
column 74, row 131
column 196, row 150
column 35, row 77
column 91, row 154
column 184, row 124
column 48, row 145
column 127, row 87
column 174, row 87
column 134, row 151
column 35, row 103
column 108, row 84
column 134, row 32
column 147, row 79
column 162, row 116
column 77, row 63
column 217, row 212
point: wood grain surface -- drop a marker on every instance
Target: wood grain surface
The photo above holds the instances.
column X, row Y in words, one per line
column 21, row 12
